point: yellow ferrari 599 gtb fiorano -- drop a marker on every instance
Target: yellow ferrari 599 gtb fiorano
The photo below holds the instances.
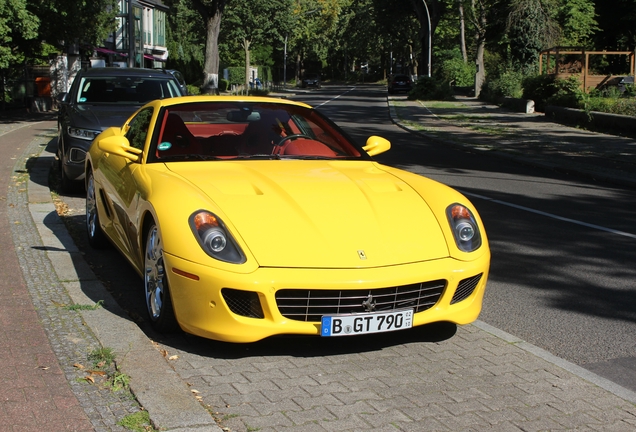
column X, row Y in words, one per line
column 250, row 217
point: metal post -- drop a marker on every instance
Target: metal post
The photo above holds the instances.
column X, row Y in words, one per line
column 428, row 16
column 285, row 65
column 131, row 35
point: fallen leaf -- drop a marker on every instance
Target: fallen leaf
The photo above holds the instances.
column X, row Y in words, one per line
column 96, row 372
column 90, row 379
column 195, row 391
column 163, row 352
column 174, row 357
column 78, row 365
column 43, row 367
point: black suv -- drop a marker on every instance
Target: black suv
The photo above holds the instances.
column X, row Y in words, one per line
column 400, row 83
column 311, row 80
column 100, row 98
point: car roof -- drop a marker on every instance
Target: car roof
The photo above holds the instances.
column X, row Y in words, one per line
column 116, row 71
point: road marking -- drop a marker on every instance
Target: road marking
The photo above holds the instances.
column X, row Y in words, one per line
column 553, row 216
column 333, row 99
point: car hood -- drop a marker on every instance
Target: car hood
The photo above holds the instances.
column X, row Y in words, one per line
column 320, row 214
column 101, row 117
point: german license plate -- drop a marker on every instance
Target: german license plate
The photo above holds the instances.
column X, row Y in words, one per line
column 375, row 322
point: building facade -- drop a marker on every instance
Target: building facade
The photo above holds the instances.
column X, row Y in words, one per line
column 140, row 38
column 139, row 41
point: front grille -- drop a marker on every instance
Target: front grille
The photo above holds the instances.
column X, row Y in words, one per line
column 311, row 305
column 244, row 303
column 465, row 288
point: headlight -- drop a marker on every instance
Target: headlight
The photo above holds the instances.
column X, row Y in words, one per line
column 464, row 227
column 85, row 134
column 214, row 238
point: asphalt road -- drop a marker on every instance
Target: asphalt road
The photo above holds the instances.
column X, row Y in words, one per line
column 563, row 286
column 562, row 275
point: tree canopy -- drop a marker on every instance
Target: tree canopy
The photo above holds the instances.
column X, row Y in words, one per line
column 340, row 38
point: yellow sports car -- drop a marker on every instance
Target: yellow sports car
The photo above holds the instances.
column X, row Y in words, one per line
column 250, row 217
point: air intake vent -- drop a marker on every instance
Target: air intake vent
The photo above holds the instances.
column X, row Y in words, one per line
column 243, row 303
column 465, row 288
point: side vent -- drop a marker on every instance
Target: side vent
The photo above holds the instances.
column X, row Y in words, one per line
column 243, row 303
column 465, row 288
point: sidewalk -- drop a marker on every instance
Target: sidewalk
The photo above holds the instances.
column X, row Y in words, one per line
column 475, row 125
column 53, row 384
column 481, row 374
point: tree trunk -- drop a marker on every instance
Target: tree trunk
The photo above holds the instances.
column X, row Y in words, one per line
column 479, row 14
column 462, row 31
column 211, row 65
column 246, row 47
column 298, row 66
column 413, row 60
column 480, row 74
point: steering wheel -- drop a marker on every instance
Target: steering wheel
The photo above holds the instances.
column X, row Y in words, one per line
column 291, row 137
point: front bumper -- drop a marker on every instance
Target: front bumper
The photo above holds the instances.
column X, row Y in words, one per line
column 73, row 157
column 201, row 309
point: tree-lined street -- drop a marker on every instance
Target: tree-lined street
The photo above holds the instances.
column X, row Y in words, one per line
column 560, row 280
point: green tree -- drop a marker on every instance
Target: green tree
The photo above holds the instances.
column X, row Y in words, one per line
column 532, row 26
column 18, row 26
column 86, row 23
column 314, row 31
column 578, row 23
column 257, row 22
column 616, row 20
column 397, row 30
column 185, row 36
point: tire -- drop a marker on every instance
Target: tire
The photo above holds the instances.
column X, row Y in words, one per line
column 67, row 186
column 156, row 290
column 96, row 237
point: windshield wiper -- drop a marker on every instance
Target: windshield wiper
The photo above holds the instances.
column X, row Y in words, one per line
column 257, row 157
column 309, row 157
column 185, row 157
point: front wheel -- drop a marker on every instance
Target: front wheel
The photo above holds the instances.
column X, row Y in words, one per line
column 96, row 237
column 158, row 302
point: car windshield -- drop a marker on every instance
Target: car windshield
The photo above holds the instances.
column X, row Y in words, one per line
column 248, row 131
column 125, row 90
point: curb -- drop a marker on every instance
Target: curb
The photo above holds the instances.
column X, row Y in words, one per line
column 156, row 386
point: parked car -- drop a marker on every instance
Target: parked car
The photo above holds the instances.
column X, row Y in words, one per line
column 98, row 99
column 311, row 80
column 180, row 79
column 400, row 83
column 248, row 217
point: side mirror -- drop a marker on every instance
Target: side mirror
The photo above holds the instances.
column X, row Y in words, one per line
column 376, row 145
column 62, row 97
column 117, row 145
